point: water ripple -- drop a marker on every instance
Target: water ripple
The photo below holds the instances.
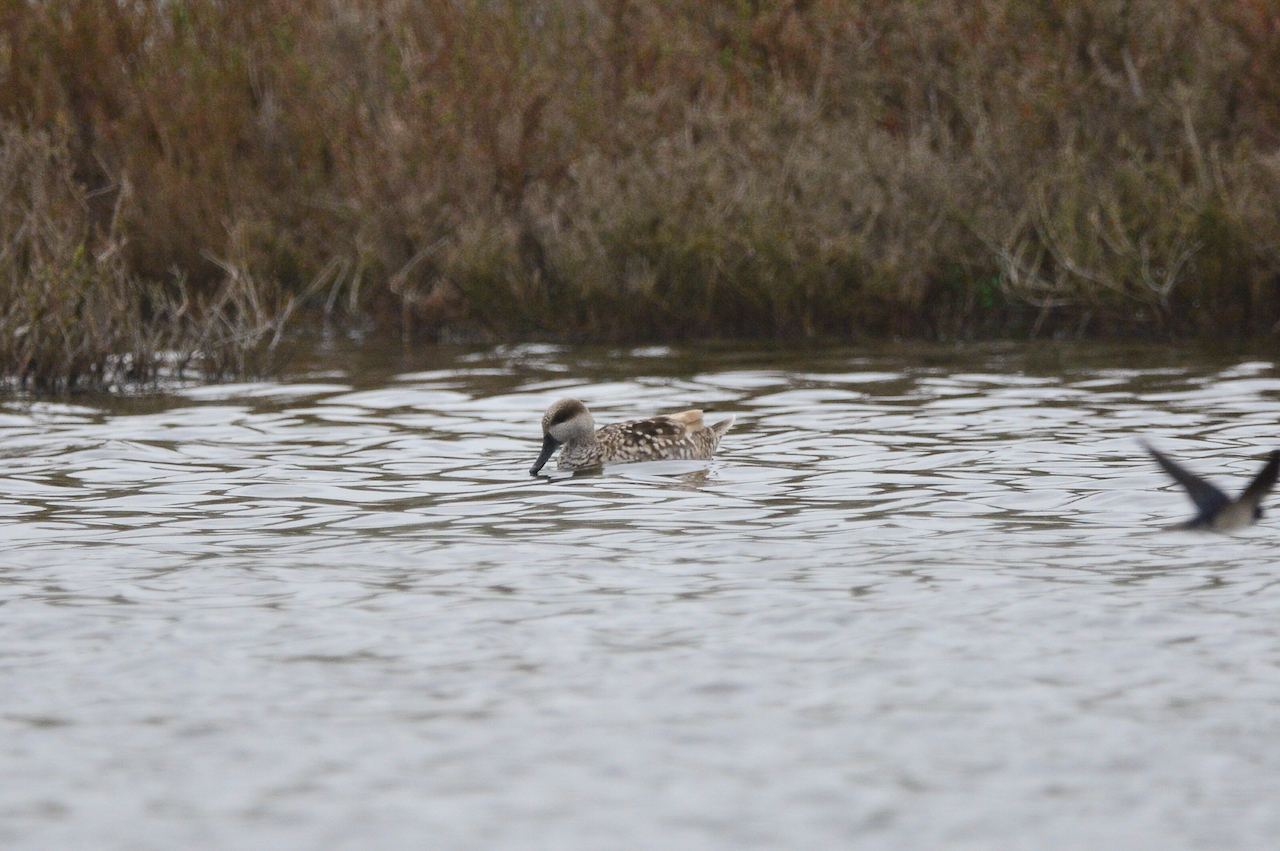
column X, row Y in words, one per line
column 921, row 598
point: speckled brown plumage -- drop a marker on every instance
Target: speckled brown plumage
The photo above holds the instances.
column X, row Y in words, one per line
column 568, row 425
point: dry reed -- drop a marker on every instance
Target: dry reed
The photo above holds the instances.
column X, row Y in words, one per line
column 183, row 176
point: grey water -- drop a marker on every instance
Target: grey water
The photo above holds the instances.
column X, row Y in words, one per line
column 922, row 598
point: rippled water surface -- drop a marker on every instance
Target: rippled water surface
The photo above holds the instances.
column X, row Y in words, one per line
column 921, row 599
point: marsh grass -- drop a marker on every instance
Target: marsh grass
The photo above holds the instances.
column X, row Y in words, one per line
column 74, row 315
column 187, row 176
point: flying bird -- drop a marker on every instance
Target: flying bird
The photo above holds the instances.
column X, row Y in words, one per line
column 1215, row 510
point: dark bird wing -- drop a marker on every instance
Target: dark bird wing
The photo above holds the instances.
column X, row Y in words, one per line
column 656, row 428
column 645, row 436
column 1207, row 498
column 1264, row 481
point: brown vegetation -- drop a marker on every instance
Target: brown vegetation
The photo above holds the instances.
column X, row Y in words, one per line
column 180, row 176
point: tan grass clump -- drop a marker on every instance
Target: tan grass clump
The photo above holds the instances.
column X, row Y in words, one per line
column 73, row 315
column 667, row 168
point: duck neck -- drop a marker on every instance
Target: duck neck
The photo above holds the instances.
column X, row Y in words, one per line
column 581, row 451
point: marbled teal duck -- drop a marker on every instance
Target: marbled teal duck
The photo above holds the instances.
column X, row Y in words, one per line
column 568, row 425
column 1216, row 511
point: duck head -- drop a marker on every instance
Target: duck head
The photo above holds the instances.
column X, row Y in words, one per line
column 565, row 421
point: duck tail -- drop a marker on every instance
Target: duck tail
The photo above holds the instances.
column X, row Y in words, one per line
column 721, row 427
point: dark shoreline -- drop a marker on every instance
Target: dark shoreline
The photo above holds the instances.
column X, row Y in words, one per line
column 202, row 179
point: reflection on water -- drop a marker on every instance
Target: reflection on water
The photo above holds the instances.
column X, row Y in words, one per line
column 921, row 599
